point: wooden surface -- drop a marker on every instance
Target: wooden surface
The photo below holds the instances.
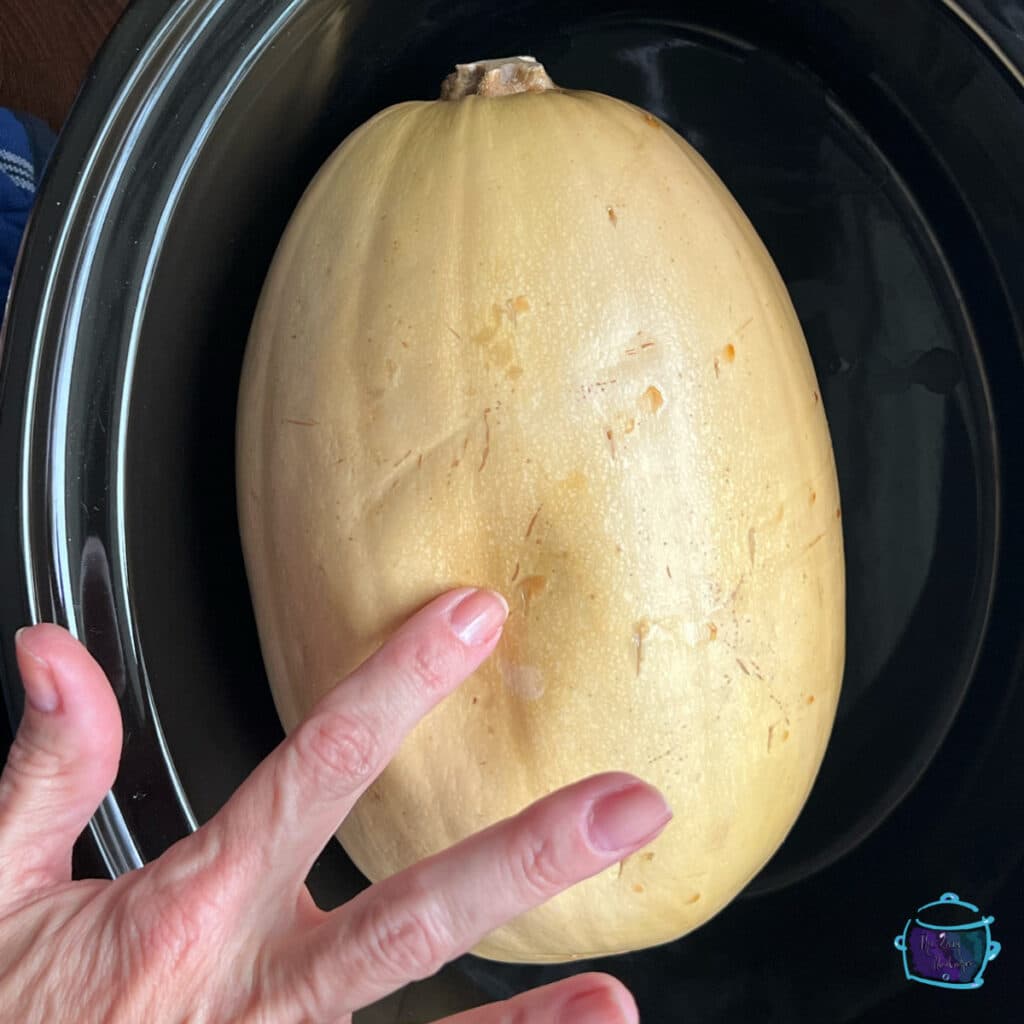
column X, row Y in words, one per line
column 46, row 47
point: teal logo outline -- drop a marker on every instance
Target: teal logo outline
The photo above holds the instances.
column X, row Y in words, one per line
column 948, row 939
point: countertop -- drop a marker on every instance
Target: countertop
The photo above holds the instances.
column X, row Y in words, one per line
column 46, row 47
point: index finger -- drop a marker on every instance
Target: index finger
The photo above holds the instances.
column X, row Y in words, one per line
column 297, row 798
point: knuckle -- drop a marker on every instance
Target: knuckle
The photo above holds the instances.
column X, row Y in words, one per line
column 425, row 663
column 538, row 867
column 30, row 760
column 427, row 667
column 311, row 992
column 402, row 946
column 336, row 752
column 172, row 926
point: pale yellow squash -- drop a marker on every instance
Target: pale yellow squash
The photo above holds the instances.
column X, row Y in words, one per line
column 526, row 339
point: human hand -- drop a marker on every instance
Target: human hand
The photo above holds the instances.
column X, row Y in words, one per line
column 221, row 927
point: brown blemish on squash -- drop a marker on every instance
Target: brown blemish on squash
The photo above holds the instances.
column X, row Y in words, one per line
column 652, row 399
column 642, row 347
column 513, row 307
column 515, row 574
column 487, row 440
column 613, row 216
column 694, row 898
column 778, row 704
column 490, row 329
column 810, row 698
column 839, row 513
column 660, row 757
column 403, row 458
column 743, row 666
column 574, row 482
column 452, row 330
column 641, row 630
column 623, row 862
column 649, row 856
column 752, row 544
column 637, row 887
column 718, row 368
column 712, row 631
column 785, row 735
column 501, row 352
column 729, row 353
column 815, row 541
column 611, row 440
column 651, row 120
column 514, row 372
column 816, row 397
column 668, row 572
column 814, row 497
column 530, row 588
column 304, row 423
column 603, row 385
column 533, row 521
column 475, row 699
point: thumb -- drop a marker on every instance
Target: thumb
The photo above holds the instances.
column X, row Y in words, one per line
column 62, row 762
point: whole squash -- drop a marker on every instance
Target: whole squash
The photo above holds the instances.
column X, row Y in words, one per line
column 523, row 337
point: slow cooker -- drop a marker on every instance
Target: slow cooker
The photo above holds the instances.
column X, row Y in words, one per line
column 879, row 151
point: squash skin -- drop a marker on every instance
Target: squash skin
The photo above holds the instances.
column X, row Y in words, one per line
column 532, row 343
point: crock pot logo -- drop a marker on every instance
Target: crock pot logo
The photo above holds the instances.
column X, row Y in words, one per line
column 947, row 943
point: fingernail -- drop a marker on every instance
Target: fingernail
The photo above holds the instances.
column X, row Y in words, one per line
column 598, row 1006
column 478, row 617
column 628, row 817
column 40, row 688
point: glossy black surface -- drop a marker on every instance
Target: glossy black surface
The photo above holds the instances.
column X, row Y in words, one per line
column 879, row 150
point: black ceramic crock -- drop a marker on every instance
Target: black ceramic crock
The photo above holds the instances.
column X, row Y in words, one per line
column 879, row 150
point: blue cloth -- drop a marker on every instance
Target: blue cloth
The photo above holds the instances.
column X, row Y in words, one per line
column 25, row 145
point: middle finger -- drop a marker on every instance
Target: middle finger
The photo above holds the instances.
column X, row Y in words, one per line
column 408, row 926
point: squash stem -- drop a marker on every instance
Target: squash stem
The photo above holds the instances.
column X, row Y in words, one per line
column 505, row 76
